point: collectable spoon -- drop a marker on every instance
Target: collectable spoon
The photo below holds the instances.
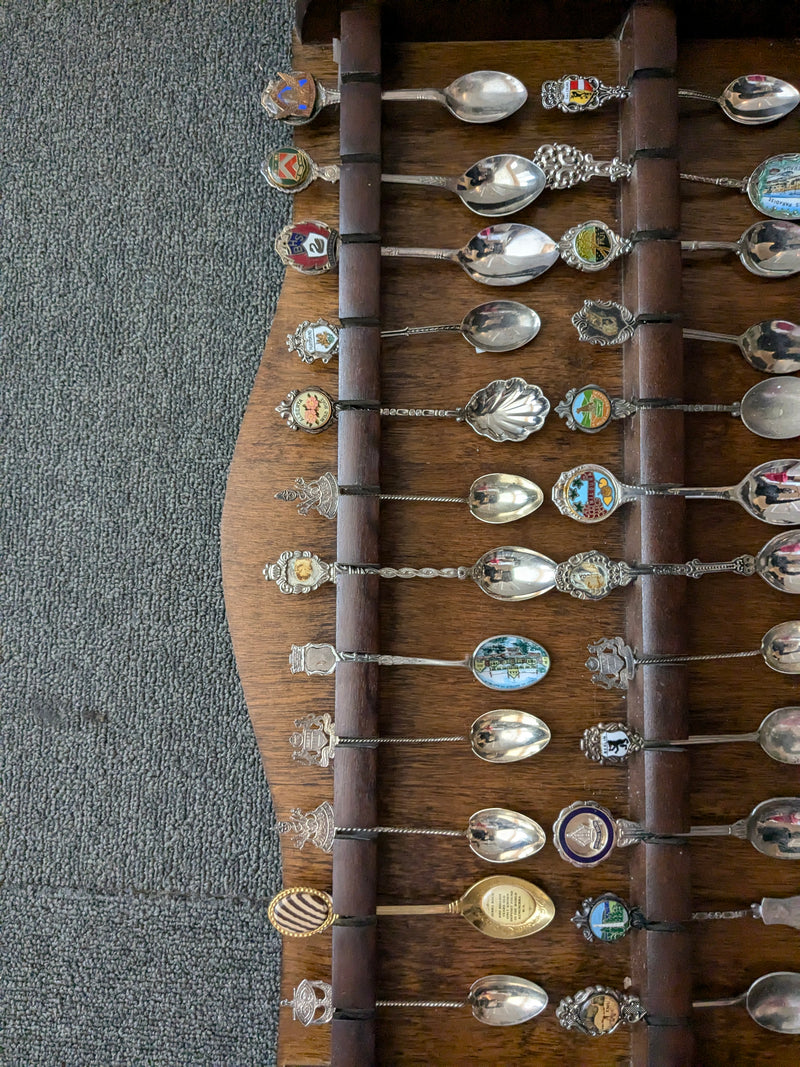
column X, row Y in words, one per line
column 494, row 326
column 497, row 835
column 585, row 833
column 509, row 253
column 502, row 184
column 494, row 186
column 500, row 906
column 770, row 492
column 504, row 735
column 608, row 918
column 483, row 96
column 771, row 346
column 752, row 99
column 772, row 1001
column 769, row 409
column 611, row 743
column 507, row 409
column 512, row 573
column 613, row 663
column 493, row 498
column 505, row 661
column 495, row 999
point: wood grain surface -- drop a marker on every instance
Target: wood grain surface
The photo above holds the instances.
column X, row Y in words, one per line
column 438, row 958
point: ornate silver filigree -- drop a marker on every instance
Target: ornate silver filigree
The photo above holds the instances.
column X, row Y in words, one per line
column 299, row 571
column 604, row 322
column 314, row 742
column 599, row 1010
column 612, row 663
column 311, row 1003
column 565, row 166
column 592, row 575
column 307, row 339
column 320, row 495
column 315, row 826
column 313, row 659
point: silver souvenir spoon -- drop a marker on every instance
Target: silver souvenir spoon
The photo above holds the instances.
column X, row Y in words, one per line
column 494, row 326
column 495, row 999
column 496, row 835
column 585, row 833
column 753, row 99
column 493, row 498
column 483, row 96
column 613, row 663
column 611, row 743
column 504, row 410
column 771, row 346
column 770, row 249
column 494, row 186
column 504, row 735
column 512, row 573
column 770, row 492
column 608, row 918
column 504, row 662
column 769, row 409
column 772, row 1001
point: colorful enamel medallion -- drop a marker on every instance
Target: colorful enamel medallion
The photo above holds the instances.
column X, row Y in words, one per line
column 288, row 169
column 311, row 410
column 584, row 833
column 314, row 340
column 587, row 493
column 605, row 918
column 308, row 247
column 291, row 97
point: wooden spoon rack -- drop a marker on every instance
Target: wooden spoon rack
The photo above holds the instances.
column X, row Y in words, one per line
column 408, row 44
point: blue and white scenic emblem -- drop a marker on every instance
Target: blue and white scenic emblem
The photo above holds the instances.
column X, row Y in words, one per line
column 774, row 186
column 605, row 918
column 509, row 662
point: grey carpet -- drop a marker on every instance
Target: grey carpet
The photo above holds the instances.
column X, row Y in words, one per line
column 138, row 282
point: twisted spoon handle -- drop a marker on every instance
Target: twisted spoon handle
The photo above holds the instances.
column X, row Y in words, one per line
column 692, row 94
column 728, row 183
column 421, row 1003
column 409, row 331
column 396, row 830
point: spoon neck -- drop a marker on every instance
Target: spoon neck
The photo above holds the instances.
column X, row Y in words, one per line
column 421, row 1003
column 429, row 499
column 724, row 1002
column 435, row 95
column 724, row 492
column 433, row 180
column 707, row 335
column 419, row 253
column 727, row 183
column 418, row 909
column 692, row 94
column 717, row 739
column 710, row 246
column 349, row 831
column 411, row 331
column 370, row 741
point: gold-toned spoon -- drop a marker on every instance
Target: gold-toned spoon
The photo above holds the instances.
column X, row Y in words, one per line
column 499, row 906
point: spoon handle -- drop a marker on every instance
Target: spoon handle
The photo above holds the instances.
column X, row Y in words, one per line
column 745, row 913
column 707, row 335
column 419, row 909
column 429, row 499
column 410, row 331
column 427, row 413
column 706, row 246
column 400, row 661
column 419, row 253
column 436, row 95
column 437, row 181
column 421, row 1003
column 702, row 739
column 347, row 831
column 405, row 572
column 723, row 492
column 692, row 94
column 745, row 565
column 725, row 1002
column 369, row 741
column 728, row 183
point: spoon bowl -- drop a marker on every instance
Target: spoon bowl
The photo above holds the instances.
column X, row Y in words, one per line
column 772, row 346
column 773, row 828
column 503, row 836
column 771, row 492
column 772, row 408
column 509, row 254
column 780, row 647
column 507, row 736
column 505, row 1000
column 771, row 248
column 779, row 735
column 500, row 185
column 484, row 96
column 499, row 498
column 511, row 573
column 502, row 325
column 773, row 1001
column 778, row 562
column 755, row 99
